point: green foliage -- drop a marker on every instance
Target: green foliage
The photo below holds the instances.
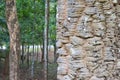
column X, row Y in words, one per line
column 52, row 29
column 31, row 19
column 4, row 37
column 31, row 16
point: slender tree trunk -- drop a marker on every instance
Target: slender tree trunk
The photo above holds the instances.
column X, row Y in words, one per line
column 14, row 32
column 32, row 66
column 42, row 49
column 55, row 55
column 22, row 55
column 25, row 54
column 28, row 57
column 46, row 39
column 37, row 53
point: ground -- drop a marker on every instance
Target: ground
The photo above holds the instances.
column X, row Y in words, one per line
column 25, row 72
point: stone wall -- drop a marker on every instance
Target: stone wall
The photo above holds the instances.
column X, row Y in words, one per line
column 88, row 40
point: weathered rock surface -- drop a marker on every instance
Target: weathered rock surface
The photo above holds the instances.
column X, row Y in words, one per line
column 88, row 39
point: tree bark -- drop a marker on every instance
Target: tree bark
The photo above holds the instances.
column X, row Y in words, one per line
column 22, row 55
column 55, row 55
column 28, row 56
column 33, row 61
column 46, row 39
column 13, row 27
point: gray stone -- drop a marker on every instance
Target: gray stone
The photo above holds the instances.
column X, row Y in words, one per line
column 77, row 52
column 115, row 1
column 77, row 64
column 118, row 8
column 61, row 60
column 90, row 10
column 90, row 2
column 68, row 46
column 66, row 78
column 118, row 65
column 84, row 31
column 95, row 78
column 71, row 73
column 108, row 55
column 99, row 29
column 76, row 40
column 62, row 69
column 62, row 52
column 84, row 72
column 59, row 44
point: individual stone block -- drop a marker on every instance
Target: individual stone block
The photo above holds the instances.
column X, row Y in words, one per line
column 107, row 6
column 75, row 12
column 94, row 53
column 103, row 0
column 96, row 78
column 99, row 28
column 91, row 65
column 72, row 20
column 59, row 44
column 62, row 69
column 111, row 18
column 84, row 31
column 108, row 55
column 107, row 41
column 77, row 52
column 84, row 19
column 92, row 59
column 72, row 73
column 96, row 41
column 77, row 64
column 75, row 8
column 83, row 73
column 65, row 41
column 118, row 65
column 115, row 1
column 90, row 10
column 61, row 60
column 66, row 78
column 68, row 46
column 59, row 77
column 99, row 17
column 88, row 47
column 90, row 2
column 76, row 41
column 110, row 65
column 93, row 44
column 118, row 8
column 67, row 34
column 62, row 52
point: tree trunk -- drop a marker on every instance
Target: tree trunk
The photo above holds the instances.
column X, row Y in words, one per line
column 32, row 66
column 55, row 55
column 46, row 39
column 13, row 27
column 28, row 57
column 22, row 55
column 37, row 53
column 42, row 50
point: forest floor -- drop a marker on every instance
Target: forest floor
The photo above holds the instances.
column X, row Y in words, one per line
column 25, row 72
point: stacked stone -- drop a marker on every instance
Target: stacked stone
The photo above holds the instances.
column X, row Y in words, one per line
column 86, row 37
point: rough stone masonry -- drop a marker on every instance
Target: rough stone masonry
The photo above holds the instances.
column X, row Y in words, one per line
column 88, row 39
